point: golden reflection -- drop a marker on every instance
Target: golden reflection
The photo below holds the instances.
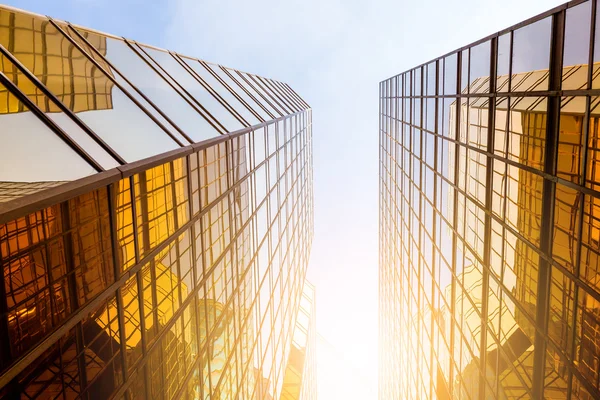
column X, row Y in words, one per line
column 198, row 312
column 66, row 72
column 454, row 324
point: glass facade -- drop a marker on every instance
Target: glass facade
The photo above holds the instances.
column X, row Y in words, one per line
column 299, row 381
column 156, row 219
column 489, row 217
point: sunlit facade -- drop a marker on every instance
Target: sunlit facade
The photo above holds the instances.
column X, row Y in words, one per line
column 490, row 217
column 156, row 221
column 300, row 381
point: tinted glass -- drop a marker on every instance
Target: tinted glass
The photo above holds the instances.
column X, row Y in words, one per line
column 30, row 151
column 255, row 91
column 156, row 88
column 189, row 83
column 531, row 53
column 82, row 87
column 51, row 109
column 221, row 90
column 577, row 47
column 236, row 87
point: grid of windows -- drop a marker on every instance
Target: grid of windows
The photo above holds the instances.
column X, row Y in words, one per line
column 177, row 276
column 488, row 247
column 131, row 290
column 70, row 95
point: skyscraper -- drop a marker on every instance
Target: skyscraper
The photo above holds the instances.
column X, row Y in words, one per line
column 155, row 221
column 489, row 210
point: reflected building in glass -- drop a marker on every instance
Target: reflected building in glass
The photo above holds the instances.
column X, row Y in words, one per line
column 490, row 217
column 156, row 221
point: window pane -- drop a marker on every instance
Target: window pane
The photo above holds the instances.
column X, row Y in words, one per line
column 282, row 97
column 51, row 110
column 479, row 73
column 82, row 87
column 276, row 104
column 254, row 91
column 577, row 47
column 31, row 152
column 221, row 90
column 531, row 53
column 155, row 87
column 189, row 83
column 233, row 85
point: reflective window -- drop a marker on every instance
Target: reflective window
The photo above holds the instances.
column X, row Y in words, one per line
column 277, row 104
column 53, row 112
column 503, row 63
column 185, row 79
column 240, row 92
column 593, row 146
column 82, row 88
column 255, row 91
column 31, row 152
column 570, row 138
column 155, row 87
column 527, row 131
column 531, row 56
column 431, row 78
column 576, row 51
column 450, row 71
column 221, row 90
column 280, row 93
column 479, row 73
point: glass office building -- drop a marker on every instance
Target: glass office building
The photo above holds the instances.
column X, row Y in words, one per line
column 490, row 217
column 156, row 221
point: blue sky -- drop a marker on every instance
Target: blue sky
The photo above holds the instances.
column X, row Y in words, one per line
column 333, row 53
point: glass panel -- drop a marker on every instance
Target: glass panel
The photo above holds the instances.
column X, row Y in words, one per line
column 52, row 111
column 464, row 71
column 596, row 60
column 31, row 152
column 531, row 56
column 527, row 131
column 566, row 222
column 155, row 87
column 450, row 65
column 281, row 98
column 254, row 91
column 292, row 103
column 82, row 87
column 587, row 339
column 189, row 83
column 417, row 82
column 277, row 104
column 431, row 78
column 233, row 85
column 119, row 78
column 524, row 203
column 479, row 73
column 593, row 146
column 589, row 268
column 221, row 90
column 570, row 138
column 577, row 47
column 503, row 67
